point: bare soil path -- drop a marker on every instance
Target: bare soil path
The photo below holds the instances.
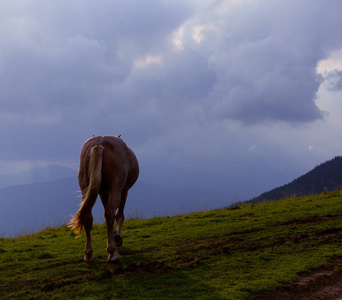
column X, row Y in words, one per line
column 321, row 284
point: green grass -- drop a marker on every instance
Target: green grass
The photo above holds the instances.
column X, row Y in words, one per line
column 227, row 253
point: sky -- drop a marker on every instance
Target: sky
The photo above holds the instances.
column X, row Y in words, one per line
column 239, row 96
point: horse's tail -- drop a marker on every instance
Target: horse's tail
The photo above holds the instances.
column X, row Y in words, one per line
column 90, row 195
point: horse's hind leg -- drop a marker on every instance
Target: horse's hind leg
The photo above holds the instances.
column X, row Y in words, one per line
column 120, row 218
column 113, row 201
column 88, row 247
column 88, row 224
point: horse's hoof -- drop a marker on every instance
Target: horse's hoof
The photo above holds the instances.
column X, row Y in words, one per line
column 113, row 257
column 88, row 258
column 118, row 240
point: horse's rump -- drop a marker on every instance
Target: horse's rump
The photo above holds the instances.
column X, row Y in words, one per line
column 107, row 166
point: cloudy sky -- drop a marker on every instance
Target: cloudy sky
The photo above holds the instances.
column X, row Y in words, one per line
column 239, row 95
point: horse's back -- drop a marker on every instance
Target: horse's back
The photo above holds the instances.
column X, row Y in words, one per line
column 120, row 167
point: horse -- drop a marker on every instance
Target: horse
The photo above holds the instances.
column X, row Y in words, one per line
column 109, row 168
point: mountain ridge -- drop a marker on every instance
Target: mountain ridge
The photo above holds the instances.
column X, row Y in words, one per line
column 326, row 177
column 26, row 207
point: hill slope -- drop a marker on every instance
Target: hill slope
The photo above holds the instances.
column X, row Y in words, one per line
column 229, row 253
column 326, row 177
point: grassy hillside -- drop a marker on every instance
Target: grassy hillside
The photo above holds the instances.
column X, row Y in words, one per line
column 235, row 253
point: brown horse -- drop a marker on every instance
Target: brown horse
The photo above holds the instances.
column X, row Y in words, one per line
column 107, row 168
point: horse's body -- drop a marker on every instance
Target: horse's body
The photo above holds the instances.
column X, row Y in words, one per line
column 107, row 168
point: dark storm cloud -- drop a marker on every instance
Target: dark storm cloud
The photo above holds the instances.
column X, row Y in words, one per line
column 268, row 59
column 65, row 66
column 172, row 77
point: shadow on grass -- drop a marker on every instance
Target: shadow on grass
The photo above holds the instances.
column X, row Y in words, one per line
column 138, row 276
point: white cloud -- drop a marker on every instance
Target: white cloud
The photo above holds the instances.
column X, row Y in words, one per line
column 148, row 60
column 177, row 38
column 197, row 33
column 332, row 63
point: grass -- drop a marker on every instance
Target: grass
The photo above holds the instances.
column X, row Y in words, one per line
column 235, row 253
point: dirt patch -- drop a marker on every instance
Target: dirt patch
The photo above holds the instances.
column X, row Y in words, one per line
column 311, row 219
column 234, row 207
column 141, row 268
column 236, row 241
column 199, row 250
column 243, row 232
column 325, row 283
column 57, row 284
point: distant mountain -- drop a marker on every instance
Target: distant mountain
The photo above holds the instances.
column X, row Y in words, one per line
column 326, row 177
column 43, row 174
column 155, row 200
column 28, row 208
